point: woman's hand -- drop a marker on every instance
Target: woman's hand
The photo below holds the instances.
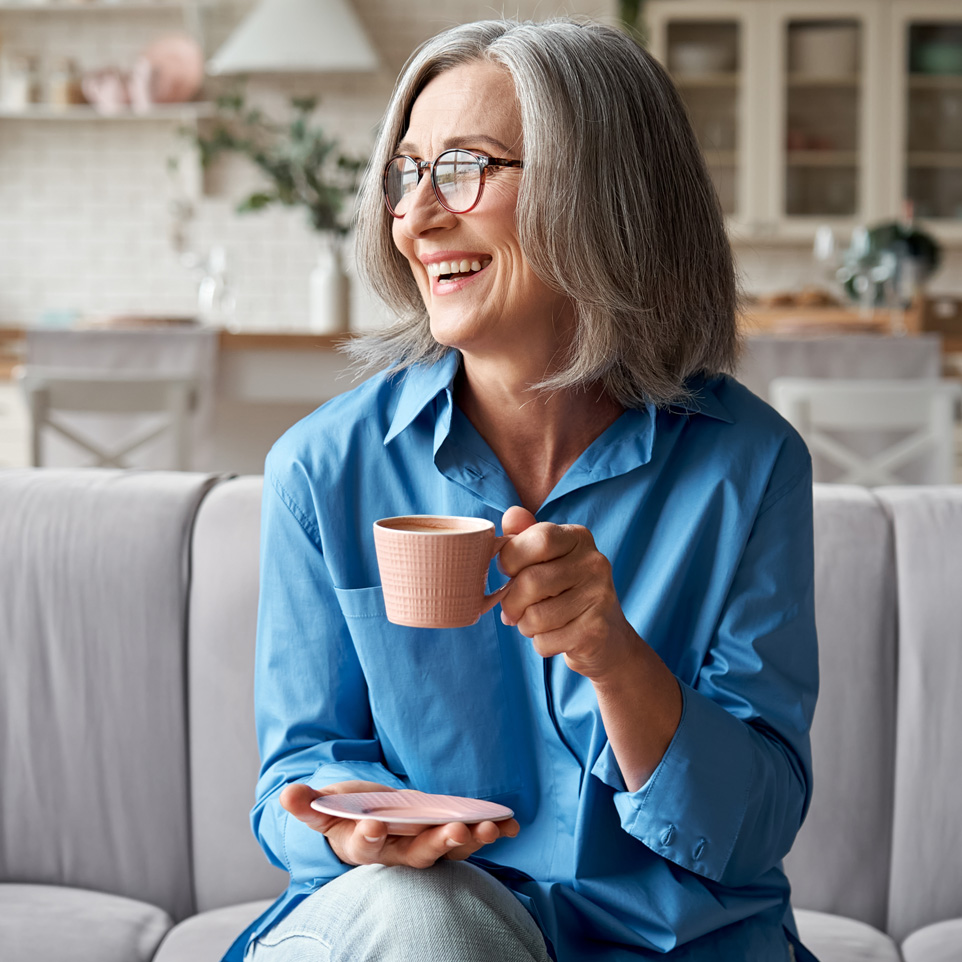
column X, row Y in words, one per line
column 563, row 597
column 366, row 842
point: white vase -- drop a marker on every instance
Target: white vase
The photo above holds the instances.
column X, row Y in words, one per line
column 329, row 294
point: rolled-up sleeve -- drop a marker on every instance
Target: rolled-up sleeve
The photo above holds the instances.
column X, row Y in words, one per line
column 311, row 705
column 733, row 787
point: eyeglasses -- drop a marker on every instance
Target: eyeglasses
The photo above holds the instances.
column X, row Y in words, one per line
column 457, row 177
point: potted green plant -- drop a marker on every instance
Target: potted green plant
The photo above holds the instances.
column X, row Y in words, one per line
column 302, row 167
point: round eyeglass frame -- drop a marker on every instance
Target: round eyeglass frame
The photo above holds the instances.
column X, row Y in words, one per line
column 423, row 165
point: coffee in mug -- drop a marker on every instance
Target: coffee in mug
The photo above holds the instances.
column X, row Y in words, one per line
column 434, row 567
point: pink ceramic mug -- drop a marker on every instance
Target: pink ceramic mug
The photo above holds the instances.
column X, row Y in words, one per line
column 433, row 569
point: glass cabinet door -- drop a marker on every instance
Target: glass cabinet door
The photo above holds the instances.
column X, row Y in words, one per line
column 930, row 49
column 822, row 111
column 703, row 58
column 827, row 112
column 702, row 44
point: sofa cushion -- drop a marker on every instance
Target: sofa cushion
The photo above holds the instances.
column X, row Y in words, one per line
column 93, row 790
column 926, row 884
column 941, row 942
column 207, row 936
column 55, row 922
column 229, row 865
column 832, row 938
column 840, row 860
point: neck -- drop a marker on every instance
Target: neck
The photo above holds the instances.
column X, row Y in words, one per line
column 535, row 436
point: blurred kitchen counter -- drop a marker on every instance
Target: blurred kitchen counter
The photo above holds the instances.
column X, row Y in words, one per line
column 937, row 315
column 261, row 365
column 265, row 382
column 268, row 380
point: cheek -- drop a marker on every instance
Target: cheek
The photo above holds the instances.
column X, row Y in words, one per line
column 397, row 236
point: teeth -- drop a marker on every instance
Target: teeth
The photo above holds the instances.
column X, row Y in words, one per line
column 457, row 267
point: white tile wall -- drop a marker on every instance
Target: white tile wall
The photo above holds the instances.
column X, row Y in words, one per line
column 84, row 205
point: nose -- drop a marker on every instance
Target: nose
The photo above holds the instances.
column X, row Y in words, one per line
column 424, row 211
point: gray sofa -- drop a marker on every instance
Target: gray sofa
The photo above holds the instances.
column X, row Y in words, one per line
column 127, row 754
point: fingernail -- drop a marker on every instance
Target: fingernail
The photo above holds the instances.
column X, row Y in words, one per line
column 451, row 843
column 374, row 838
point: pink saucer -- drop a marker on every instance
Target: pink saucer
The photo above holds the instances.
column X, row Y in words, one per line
column 408, row 811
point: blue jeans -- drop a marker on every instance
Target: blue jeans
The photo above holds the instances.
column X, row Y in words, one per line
column 376, row 913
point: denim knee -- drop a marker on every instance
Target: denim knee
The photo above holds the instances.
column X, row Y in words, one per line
column 377, row 913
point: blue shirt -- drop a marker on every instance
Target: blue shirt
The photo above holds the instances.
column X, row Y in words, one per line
column 705, row 513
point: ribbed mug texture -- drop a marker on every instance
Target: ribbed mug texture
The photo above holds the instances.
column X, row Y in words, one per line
column 434, row 578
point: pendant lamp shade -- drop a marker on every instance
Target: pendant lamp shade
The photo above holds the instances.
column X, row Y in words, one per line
column 309, row 36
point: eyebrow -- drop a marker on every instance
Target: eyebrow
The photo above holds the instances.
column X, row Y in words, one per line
column 407, row 147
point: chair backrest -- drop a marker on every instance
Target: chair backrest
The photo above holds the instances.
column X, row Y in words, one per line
column 874, row 432
column 52, row 393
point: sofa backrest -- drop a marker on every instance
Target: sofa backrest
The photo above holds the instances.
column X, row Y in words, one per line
column 926, row 880
column 93, row 774
column 229, row 865
column 841, row 858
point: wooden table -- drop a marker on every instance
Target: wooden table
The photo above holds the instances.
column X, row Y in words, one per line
column 793, row 320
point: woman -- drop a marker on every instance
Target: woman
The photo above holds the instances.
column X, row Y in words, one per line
column 539, row 217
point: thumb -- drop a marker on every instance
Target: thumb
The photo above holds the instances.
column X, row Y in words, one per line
column 516, row 519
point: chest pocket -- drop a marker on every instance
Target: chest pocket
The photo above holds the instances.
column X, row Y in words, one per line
column 438, row 698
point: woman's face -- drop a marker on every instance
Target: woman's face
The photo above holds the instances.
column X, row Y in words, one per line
column 503, row 308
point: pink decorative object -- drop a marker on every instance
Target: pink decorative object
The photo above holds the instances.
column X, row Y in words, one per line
column 106, row 89
column 408, row 812
column 140, row 86
column 433, row 569
column 176, row 68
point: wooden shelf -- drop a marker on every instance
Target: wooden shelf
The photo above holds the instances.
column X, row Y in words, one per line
column 185, row 111
column 931, row 81
column 721, row 158
column 822, row 158
column 826, row 83
column 94, row 6
column 705, row 81
column 935, row 158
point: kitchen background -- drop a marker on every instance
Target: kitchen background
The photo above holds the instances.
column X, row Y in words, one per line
column 87, row 223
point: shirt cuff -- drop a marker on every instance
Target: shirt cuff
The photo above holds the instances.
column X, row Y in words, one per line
column 691, row 808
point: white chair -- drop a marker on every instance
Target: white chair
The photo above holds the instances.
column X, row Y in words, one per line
column 53, row 393
column 873, row 432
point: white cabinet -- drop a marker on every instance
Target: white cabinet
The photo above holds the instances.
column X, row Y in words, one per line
column 925, row 95
column 821, row 111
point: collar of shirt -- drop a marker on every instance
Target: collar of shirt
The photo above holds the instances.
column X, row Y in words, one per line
column 465, row 458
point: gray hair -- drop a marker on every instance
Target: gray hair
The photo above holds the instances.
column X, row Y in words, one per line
column 616, row 210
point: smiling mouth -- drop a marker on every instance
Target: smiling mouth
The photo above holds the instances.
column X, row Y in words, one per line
column 448, row 271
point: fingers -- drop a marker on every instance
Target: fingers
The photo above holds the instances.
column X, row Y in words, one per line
column 548, row 595
column 296, row 799
column 516, row 519
column 367, row 842
column 539, row 543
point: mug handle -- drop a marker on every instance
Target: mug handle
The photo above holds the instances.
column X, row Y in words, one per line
column 489, row 601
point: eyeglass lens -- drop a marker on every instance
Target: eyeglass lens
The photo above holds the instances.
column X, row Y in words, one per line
column 457, row 181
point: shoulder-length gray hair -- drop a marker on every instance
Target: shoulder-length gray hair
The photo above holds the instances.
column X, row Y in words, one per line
column 616, row 210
